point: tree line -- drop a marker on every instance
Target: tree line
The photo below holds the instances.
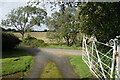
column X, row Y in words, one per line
column 101, row 19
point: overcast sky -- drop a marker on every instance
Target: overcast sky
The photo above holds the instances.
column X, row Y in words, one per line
column 7, row 5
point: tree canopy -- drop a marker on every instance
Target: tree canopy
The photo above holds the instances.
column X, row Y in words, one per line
column 100, row 19
column 23, row 18
column 65, row 25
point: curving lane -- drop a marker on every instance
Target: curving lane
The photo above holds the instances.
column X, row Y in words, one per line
column 43, row 55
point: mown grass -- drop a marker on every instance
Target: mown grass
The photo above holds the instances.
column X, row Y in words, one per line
column 51, row 71
column 63, row 46
column 16, row 60
column 80, row 68
column 55, row 46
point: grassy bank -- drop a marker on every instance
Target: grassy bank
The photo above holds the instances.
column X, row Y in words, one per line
column 80, row 68
column 16, row 61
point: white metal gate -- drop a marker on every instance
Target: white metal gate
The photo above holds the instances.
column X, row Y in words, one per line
column 103, row 61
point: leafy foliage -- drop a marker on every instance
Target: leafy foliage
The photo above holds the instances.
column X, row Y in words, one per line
column 97, row 18
column 100, row 19
column 23, row 18
column 29, row 37
column 65, row 26
column 9, row 41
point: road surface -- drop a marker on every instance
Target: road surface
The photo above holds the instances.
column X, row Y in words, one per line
column 43, row 55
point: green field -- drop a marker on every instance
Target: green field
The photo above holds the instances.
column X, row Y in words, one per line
column 15, row 61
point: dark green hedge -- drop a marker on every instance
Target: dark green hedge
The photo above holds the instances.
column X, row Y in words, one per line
column 9, row 41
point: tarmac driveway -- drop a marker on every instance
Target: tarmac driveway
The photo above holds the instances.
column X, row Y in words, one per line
column 43, row 55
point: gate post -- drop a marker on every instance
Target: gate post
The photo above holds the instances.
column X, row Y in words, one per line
column 83, row 46
column 113, row 61
column 118, row 62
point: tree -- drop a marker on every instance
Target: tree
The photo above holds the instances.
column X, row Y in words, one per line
column 69, row 32
column 100, row 19
column 65, row 24
column 24, row 18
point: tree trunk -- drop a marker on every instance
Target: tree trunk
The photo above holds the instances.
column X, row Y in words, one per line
column 22, row 35
column 73, row 40
column 68, row 43
column 67, row 40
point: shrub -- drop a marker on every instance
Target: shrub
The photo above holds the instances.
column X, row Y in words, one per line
column 33, row 42
column 9, row 41
column 29, row 37
column 37, row 43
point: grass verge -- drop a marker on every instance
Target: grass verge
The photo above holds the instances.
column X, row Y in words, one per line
column 80, row 68
column 51, row 71
column 57, row 46
column 16, row 60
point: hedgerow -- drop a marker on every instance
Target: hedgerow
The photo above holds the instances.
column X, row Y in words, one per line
column 9, row 41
